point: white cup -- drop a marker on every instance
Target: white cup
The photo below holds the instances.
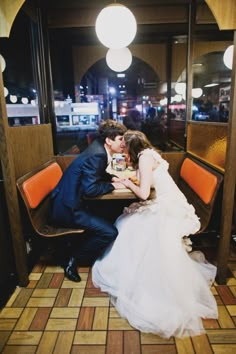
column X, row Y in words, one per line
column 118, row 162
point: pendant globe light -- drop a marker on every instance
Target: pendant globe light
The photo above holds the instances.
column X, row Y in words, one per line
column 3, row 63
column 116, row 26
column 6, row 92
column 119, row 59
column 228, row 57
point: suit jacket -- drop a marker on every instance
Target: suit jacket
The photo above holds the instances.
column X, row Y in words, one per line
column 86, row 176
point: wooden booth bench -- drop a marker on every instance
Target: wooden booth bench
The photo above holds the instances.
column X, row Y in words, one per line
column 35, row 188
column 199, row 182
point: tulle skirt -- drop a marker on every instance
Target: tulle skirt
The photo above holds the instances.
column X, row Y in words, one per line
column 153, row 282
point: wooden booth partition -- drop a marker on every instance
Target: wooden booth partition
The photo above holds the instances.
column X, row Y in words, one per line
column 208, row 141
column 31, row 147
column 22, row 149
column 175, row 160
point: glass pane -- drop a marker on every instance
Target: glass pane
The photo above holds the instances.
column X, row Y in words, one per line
column 177, row 107
column 211, row 86
column 20, row 89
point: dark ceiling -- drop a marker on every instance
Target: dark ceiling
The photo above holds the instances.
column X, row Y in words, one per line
column 148, row 31
column 82, row 4
column 63, row 38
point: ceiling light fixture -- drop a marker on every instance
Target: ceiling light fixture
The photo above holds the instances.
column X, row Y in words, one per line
column 116, row 26
column 228, row 57
column 211, row 85
column 120, row 75
column 119, row 59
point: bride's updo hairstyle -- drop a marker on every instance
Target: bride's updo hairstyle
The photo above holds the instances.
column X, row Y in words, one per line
column 135, row 142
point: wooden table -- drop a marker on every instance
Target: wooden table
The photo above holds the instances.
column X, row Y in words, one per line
column 116, row 194
column 119, row 194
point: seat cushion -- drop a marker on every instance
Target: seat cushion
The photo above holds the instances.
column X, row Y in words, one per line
column 37, row 187
column 199, row 179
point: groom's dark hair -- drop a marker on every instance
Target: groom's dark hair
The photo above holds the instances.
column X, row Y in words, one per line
column 110, row 129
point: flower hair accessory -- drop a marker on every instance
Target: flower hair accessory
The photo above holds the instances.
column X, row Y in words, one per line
column 187, row 243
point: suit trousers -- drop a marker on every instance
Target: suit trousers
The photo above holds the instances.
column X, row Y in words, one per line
column 99, row 232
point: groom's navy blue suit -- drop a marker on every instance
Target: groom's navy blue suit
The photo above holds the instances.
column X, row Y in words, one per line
column 86, row 176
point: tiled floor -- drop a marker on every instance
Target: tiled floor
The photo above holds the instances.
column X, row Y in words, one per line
column 54, row 315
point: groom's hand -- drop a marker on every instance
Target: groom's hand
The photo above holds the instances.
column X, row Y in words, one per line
column 116, row 179
column 118, row 185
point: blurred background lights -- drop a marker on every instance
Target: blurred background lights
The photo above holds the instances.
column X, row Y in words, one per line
column 197, row 92
column 116, row 26
column 119, row 59
column 112, row 90
column 163, row 101
column 180, row 88
column 24, row 100
column 13, row 98
column 163, row 87
column 178, row 98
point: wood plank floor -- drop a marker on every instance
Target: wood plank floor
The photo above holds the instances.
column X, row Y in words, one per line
column 55, row 315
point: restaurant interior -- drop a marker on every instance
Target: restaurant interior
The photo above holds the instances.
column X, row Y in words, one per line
column 57, row 85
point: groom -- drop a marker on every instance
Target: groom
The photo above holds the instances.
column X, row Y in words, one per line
column 86, row 176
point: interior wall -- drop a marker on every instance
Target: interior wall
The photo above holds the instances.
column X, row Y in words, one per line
column 201, row 48
column 85, row 56
column 224, row 13
column 8, row 12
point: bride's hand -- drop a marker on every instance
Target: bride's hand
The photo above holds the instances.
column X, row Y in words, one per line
column 127, row 183
column 134, row 179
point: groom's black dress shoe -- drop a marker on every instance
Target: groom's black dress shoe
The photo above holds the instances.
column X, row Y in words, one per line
column 71, row 270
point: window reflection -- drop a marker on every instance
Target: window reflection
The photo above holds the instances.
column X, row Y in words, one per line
column 20, row 93
column 214, row 78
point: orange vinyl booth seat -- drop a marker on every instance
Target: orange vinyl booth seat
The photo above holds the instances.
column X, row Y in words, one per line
column 200, row 185
column 35, row 188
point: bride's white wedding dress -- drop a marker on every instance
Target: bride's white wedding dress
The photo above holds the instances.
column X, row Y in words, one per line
column 153, row 282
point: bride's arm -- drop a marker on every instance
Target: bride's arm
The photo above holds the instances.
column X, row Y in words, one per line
column 145, row 177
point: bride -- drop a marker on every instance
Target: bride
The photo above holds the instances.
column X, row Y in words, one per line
column 153, row 281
